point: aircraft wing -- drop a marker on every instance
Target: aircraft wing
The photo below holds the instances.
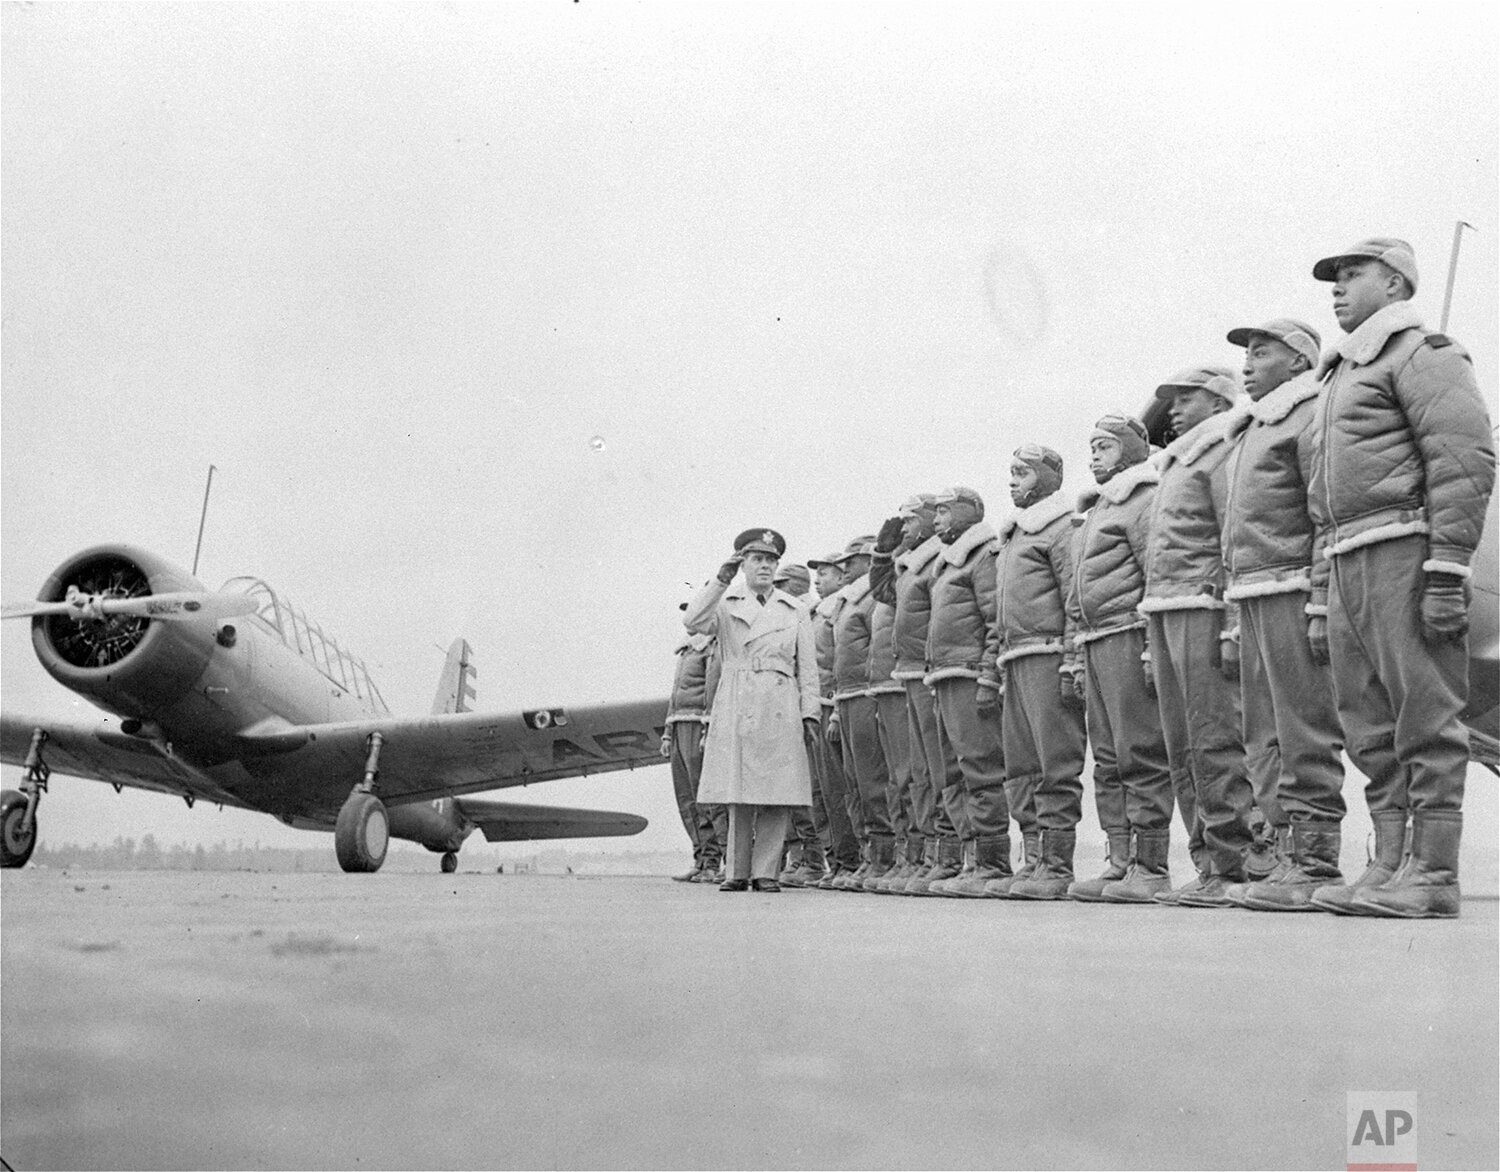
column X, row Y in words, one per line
column 99, row 750
column 454, row 753
column 518, row 821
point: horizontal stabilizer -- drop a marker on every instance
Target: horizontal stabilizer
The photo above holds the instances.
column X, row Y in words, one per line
column 519, row 821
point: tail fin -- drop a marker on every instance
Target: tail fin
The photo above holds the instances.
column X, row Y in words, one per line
column 455, row 686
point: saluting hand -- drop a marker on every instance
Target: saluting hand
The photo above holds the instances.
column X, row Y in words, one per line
column 890, row 535
column 730, row 568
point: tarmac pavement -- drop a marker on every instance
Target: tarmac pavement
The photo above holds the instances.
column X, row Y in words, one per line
column 238, row 1020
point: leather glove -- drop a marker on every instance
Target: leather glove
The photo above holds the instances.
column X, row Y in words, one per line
column 1070, row 686
column 1445, row 608
column 891, row 533
column 730, row 568
column 987, row 702
column 666, row 742
column 835, row 734
column 1149, row 671
column 1229, row 658
column 1317, row 638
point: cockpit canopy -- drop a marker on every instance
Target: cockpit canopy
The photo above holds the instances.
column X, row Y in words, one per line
column 309, row 640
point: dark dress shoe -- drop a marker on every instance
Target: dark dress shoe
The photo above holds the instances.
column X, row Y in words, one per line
column 735, row 885
column 765, row 885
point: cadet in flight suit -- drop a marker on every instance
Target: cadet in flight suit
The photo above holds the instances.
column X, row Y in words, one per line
column 840, row 800
column 1132, row 779
column 1032, row 643
column 903, row 578
column 809, row 828
column 967, row 687
column 855, row 715
column 1274, row 568
column 692, row 698
column 1401, row 481
column 1189, row 620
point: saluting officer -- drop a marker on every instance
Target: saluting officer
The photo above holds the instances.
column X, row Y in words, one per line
column 765, row 710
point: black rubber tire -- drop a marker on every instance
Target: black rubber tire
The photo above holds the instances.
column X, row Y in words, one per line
column 362, row 833
column 449, row 862
column 15, row 848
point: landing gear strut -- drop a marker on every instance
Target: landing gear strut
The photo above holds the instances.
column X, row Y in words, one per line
column 363, row 829
column 18, row 807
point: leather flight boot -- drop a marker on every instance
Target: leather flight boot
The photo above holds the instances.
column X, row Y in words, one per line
column 808, row 872
column 1148, row 876
column 1054, row 873
column 908, row 856
column 940, row 886
column 1426, row 888
column 920, row 869
column 882, row 860
column 852, row 880
column 835, row 869
column 991, row 862
column 1031, row 854
column 1384, row 862
column 1116, row 864
column 1314, row 864
column 947, row 862
column 1175, row 894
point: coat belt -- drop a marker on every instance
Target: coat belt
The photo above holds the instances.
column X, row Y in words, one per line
column 765, row 663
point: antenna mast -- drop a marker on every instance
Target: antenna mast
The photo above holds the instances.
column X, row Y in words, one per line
column 1458, row 232
column 207, row 488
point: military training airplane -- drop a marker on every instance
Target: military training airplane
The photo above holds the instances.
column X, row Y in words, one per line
column 236, row 697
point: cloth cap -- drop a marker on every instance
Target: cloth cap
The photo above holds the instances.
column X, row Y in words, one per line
column 760, row 541
column 1300, row 336
column 958, row 493
column 1127, row 431
column 792, row 573
column 1387, row 249
column 858, row 546
column 1216, row 380
column 828, row 559
column 916, row 505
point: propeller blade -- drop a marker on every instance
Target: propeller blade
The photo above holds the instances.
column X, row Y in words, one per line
column 176, row 606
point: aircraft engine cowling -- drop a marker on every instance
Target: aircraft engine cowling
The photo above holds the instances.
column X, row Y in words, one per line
column 134, row 667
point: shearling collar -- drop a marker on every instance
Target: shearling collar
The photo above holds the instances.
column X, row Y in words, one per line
column 916, row 560
column 1117, row 489
column 827, row 606
column 973, row 537
column 1186, row 449
column 1279, row 403
column 1036, row 516
column 1364, row 345
column 857, row 590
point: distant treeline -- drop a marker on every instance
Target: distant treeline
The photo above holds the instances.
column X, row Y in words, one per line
column 147, row 854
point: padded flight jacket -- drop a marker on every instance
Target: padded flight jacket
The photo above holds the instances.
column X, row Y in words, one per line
column 851, row 640
column 1404, row 442
column 906, row 583
column 1268, row 531
column 1185, row 558
column 1110, row 544
column 1032, row 570
column 824, row 615
column 695, row 681
column 963, row 609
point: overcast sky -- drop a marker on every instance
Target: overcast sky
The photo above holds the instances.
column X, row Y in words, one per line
column 502, row 321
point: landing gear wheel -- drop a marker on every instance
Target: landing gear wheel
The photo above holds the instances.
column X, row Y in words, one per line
column 362, row 833
column 449, row 863
column 16, row 844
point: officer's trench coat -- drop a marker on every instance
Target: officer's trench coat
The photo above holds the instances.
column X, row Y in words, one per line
column 769, row 684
